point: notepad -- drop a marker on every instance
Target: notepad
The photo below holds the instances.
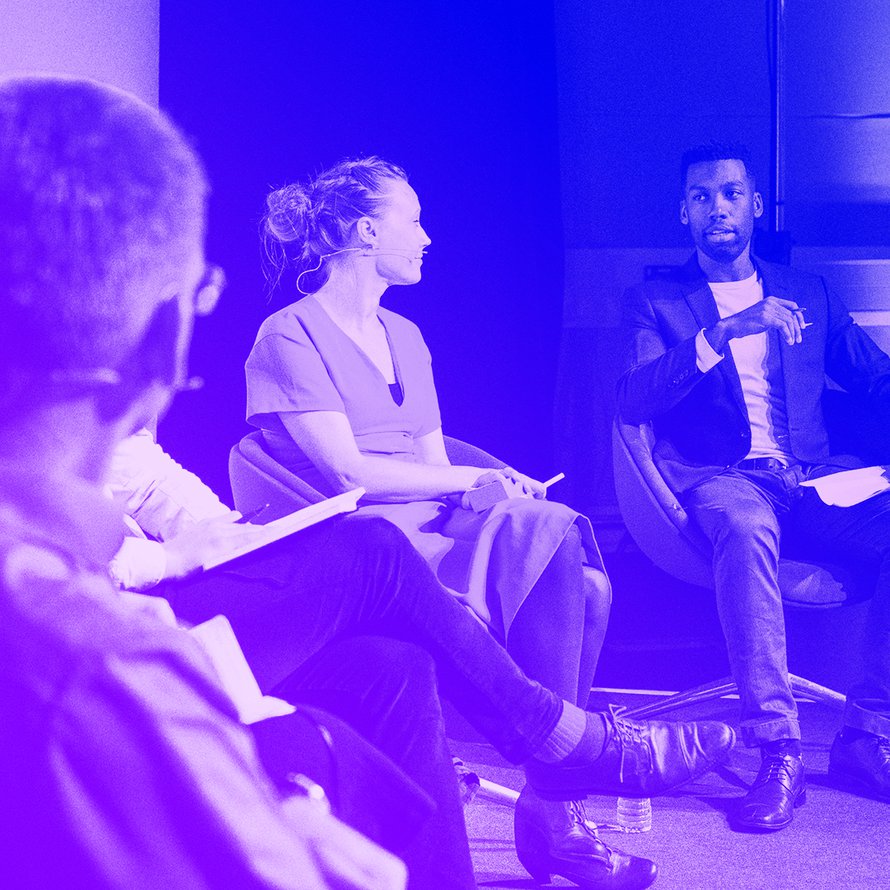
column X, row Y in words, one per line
column 849, row 487
column 293, row 522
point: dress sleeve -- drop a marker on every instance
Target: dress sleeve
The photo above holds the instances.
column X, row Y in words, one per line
column 286, row 373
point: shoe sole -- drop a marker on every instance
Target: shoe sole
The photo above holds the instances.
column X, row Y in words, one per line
column 763, row 828
column 857, row 786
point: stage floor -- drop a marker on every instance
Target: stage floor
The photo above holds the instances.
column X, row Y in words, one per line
column 837, row 840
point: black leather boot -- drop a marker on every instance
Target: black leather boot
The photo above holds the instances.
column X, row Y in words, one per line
column 552, row 838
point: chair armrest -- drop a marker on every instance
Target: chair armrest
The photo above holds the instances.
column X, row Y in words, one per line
column 632, row 451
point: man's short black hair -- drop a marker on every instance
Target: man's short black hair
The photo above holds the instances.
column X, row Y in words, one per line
column 715, row 151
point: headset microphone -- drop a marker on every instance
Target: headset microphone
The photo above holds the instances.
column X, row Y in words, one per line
column 397, row 251
column 367, row 250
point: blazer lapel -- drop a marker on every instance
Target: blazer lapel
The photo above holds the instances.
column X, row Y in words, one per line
column 792, row 356
column 704, row 307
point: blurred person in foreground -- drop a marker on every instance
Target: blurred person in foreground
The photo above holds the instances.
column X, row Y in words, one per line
column 123, row 762
column 123, row 759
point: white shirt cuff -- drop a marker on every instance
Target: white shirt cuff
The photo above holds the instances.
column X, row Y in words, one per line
column 139, row 564
column 705, row 357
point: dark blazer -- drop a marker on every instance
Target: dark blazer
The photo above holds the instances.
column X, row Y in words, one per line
column 699, row 419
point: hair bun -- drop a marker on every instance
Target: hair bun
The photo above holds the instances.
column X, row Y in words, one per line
column 288, row 212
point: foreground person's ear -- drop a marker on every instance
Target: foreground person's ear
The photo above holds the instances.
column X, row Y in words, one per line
column 155, row 368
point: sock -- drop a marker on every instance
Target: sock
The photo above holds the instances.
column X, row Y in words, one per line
column 782, row 746
column 577, row 733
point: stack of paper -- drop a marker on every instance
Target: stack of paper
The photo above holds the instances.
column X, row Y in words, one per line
column 850, row 486
column 235, row 676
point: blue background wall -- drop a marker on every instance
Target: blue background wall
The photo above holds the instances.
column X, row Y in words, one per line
column 544, row 140
column 462, row 95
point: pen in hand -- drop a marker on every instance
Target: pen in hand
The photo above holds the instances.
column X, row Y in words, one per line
column 554, row 480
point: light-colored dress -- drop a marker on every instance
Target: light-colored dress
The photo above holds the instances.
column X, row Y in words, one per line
column 302, row 361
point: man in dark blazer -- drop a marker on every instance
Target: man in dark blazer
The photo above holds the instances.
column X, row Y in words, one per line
column 729, row 362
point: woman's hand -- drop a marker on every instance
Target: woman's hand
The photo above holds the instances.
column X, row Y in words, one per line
column 514, row 485
column 218, row 535
column 529, row 488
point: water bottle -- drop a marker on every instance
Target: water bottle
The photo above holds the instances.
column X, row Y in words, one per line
column 634, row 814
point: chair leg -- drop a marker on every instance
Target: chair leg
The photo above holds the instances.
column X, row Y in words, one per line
column 801, row 687
column 811, row 691
column 706, row 692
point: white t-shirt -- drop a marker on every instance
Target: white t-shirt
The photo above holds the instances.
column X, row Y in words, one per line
column 758, row 361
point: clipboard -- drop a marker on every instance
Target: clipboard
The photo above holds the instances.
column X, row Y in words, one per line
column 292, row 523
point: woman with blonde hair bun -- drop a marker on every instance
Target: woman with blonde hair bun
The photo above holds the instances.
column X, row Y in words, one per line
column 343, row 392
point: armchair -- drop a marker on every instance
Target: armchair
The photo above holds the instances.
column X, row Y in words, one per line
column 663, row 531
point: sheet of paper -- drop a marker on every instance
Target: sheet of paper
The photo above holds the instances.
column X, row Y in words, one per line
column 293, row 522
column 218, row 640
column 849, row 487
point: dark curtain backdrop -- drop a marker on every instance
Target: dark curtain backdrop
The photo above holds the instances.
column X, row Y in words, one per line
column 463, row 95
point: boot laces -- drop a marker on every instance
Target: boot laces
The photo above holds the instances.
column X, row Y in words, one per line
column 775, row 766
column 883, row 747
column 579, row 816
column 629, row 735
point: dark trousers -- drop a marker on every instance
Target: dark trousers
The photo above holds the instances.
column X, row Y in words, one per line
column 360, row 575
column 748, row 515
column 386, row 690
column 296, row 604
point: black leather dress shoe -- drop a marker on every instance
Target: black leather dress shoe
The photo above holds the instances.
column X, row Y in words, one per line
column 777, row 790
column 553, row 838
column 862, row 765
column 640, row 759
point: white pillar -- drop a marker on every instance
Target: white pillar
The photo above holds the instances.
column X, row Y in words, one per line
column 115, row 41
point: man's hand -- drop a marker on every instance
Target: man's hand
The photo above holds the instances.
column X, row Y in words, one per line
column 785, row 316
column 189, row 550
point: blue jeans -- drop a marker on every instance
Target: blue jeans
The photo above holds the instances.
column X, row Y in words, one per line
column 747, row 515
